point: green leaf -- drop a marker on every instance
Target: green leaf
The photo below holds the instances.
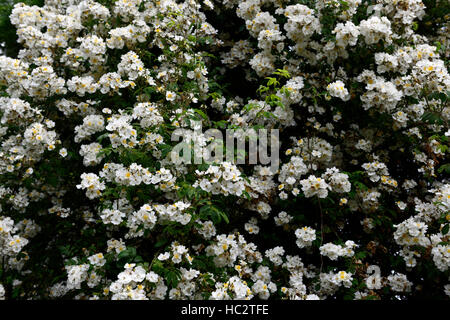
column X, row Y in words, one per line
column 160, row 243
column 445, row 229
column 272, row 81
column 444, row 167
column 128, row 254
column 213, row 212
column 173, row 277
column 282, row 72
column 101, row 137
column 202, row 114
column 245, row 193
column 432, row 117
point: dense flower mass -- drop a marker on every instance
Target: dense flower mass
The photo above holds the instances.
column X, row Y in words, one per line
column 92, row 206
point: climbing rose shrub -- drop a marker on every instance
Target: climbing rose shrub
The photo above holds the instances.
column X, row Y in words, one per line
column 93, row 207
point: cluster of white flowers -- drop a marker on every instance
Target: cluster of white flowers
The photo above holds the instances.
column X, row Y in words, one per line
column 177, row 253
column 305, row 237
column 346, row 34
column 131, row 66
column 128, row 285
column 337, row 89
column 301, row 24
column 381, row 94
column 334, row 251
column 90, row 154
column 375, row 170
column 38, row 138
column 293, row 87
column 91, row 124
column 90, row 104
column 82, row 85
column 403, row 11
column 148, row 115
column 207, row 229
column 313, row 186
column 337, row 181
column 290, row 174
column 411, row 232
column 112, row 216
column 113, row 82
column 76, row 275
column 136, row 174
column 375, row 29
column 282, row 219
column 441, row 257
column 91, row 182
column 14, row 109
column 226, row 250
column 223, row 179
column 399, row 282
column 252, row 226
column 11, row 240
column 330, row 282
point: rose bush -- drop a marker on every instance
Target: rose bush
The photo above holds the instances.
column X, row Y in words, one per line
column 93, row 207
